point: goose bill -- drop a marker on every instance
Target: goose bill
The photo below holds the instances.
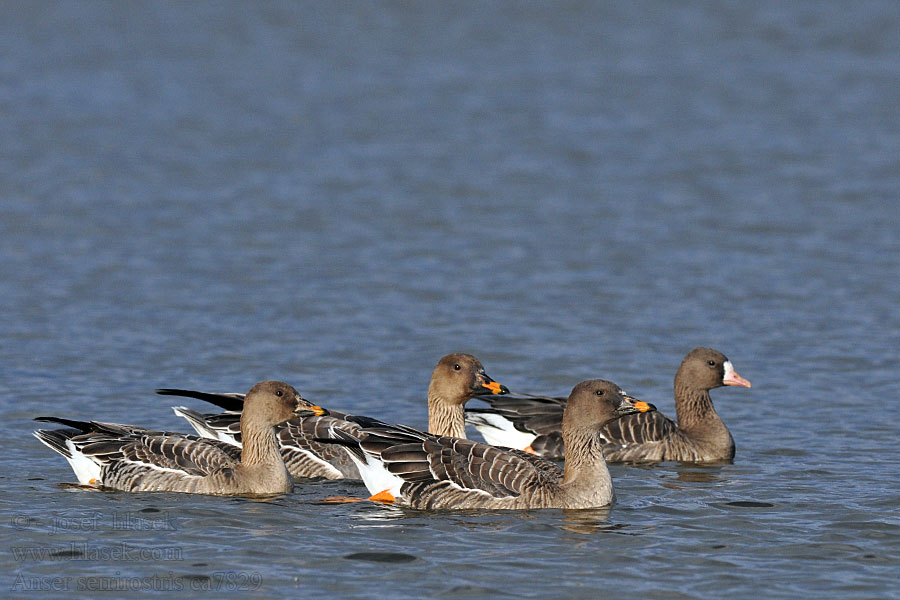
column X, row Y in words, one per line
column 732, row 377
column 631, row 406
column 303, row 411
column 486, row 385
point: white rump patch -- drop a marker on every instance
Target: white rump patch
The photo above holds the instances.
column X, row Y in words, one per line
column 376, row 476
column 85, row 468
column 500, row 431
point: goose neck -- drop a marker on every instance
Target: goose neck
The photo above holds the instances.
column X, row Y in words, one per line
column 445, row 418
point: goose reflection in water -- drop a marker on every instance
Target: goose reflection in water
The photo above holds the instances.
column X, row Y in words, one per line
column 693, row 474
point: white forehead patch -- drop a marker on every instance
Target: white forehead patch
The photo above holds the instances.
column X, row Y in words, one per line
column 729, row 369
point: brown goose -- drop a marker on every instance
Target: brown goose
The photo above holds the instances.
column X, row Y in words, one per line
column 455, row 379
column 534, row 422
column 400, row 464
column 138, row 460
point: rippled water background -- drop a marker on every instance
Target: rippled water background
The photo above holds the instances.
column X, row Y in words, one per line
column 338, row 194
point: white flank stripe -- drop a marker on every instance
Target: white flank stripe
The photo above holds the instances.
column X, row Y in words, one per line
column 153, row 467
column 472, row 490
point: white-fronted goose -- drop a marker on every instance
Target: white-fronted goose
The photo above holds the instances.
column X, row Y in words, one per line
column 138, row 460
column 455, row 379
column 400, row 464
column 534, row 423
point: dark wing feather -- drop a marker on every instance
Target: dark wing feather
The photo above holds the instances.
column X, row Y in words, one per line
column 192, row 455
column 112, row 442
column 98, row 427
column 303, row 452
column 229, row 422
column 428, row 463
column 229, row 401
column 641, row 428
column 540, row 415
column 549, row 446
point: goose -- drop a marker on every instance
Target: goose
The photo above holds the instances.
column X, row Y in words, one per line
column 420, row 470
column 135, row 459
column 455, row 379
column 534, row 423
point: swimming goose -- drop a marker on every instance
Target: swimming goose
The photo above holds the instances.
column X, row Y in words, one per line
column 534, row 422
column 303, row 456
column 134, row 459
column 400, row 464
column 455, row 379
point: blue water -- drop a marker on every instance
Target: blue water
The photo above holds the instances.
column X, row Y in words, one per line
column 337, row 195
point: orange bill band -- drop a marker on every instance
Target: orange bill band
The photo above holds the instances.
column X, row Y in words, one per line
column 494, row 387
column 641, row 406
column 483, row 384
column 318, row 411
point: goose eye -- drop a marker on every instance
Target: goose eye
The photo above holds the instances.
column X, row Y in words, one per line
column 599, row 392
column 456, row 367
column 711, row 362
column 279, row 393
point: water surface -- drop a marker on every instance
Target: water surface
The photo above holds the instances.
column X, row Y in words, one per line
column 206, row 196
